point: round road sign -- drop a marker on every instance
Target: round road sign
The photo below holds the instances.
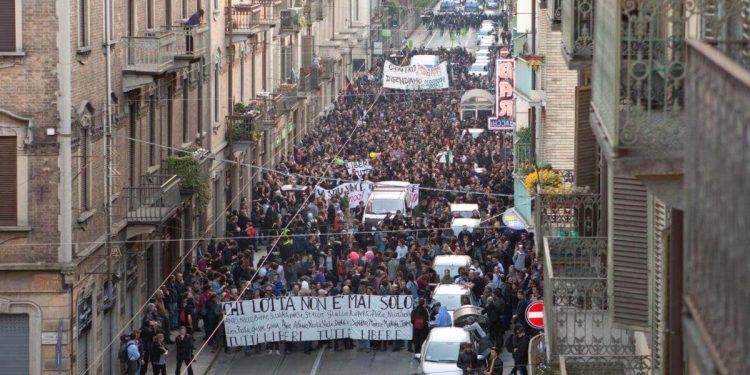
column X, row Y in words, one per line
column 535, row 314
column 504, row 52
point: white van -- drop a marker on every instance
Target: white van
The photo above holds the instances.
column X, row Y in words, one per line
column 465, row 210
column 451, row 263
column 381, row 203
column 429, row 61
column 458, row 223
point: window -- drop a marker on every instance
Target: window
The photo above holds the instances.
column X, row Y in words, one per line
column 356, row 10
column 84, row 168
column 185, row 112
column 200, row 108
column 217, row 92
column 10, row 25
column 151, row 130
column 170, row 118
column 150, row 14
column 83, row 23
column 14, row 347
column 131, row 144
column 8, row 182
column 168, row 12
column 242, row 77
column 184, row 9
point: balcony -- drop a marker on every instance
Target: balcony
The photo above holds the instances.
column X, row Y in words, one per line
column 155, row 199
column 251, row 18
column 191, row 42
column 575, row 214
column 577, row 32
column 316, row 10
column 292, row 20
column 605, row 365
column 305, row 83
column 273, row 107
column 554, row 14
column 576, row 315
column 327, row 67
column 151, row 54
column 242, row 125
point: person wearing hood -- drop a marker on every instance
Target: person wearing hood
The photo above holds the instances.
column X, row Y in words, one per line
column 443, row 319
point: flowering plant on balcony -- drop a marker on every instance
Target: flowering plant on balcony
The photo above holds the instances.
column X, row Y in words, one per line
column 544, row 180
column 194, row 179
column 256, row 136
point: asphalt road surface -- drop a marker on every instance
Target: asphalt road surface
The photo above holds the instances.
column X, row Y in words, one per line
column 327, row 361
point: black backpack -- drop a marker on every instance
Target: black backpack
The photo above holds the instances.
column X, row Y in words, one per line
column 123, row 353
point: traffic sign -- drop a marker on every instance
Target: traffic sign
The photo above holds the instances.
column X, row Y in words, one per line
column 535, row 314
column 504, row 52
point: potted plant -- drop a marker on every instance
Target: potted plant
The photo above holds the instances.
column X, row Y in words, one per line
column 256, row 136
column 194, row 180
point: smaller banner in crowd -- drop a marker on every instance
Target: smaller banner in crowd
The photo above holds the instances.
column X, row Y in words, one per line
column 413, row 191
column 359, row 167
column 356, row 191
column 295, row 318
column 415, row 77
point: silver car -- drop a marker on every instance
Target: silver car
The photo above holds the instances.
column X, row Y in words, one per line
column 441, row 349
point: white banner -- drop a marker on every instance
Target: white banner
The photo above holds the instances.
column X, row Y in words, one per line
column 413, row 191
column 415, row 77
column 356, row 191
column 359, row 167
column 356, row 316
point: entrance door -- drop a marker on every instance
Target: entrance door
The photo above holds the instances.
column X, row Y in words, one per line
column 14, row 347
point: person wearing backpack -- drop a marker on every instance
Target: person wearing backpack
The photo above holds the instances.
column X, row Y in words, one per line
column 129, row 354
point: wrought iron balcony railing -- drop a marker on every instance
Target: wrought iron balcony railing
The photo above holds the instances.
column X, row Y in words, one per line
column 554, row 13
column 191, row 42
column 576, row 317
column 251, row 18
column 641, row 105
column 568, row 214
column 149, row 54
column 154, row 199
column 577, row 29
column 605, row 364
column 292, row 20
column 305, row 85
column 523, row 158
column 327, row 67
column 242, row 127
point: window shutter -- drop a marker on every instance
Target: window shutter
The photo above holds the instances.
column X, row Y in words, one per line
column 630, row 292
column 7, row 25
column 8, row 170
column 585, row 147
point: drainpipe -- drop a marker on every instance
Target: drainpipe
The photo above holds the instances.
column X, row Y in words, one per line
column 65, row 188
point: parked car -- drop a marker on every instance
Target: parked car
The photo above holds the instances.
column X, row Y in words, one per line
column 451, row 263
column 453, row 296
column 486, row 30
column 441, row 349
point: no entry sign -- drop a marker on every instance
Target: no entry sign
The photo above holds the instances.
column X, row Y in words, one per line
column 504, row 52
column 535, row 314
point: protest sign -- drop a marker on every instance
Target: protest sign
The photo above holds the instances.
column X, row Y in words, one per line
column 359, row 167
column 296, row 318
column 413, row 191
column 356, row 191
column 415, row 77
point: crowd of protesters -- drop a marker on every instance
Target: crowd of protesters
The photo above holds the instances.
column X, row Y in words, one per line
column 317, row 247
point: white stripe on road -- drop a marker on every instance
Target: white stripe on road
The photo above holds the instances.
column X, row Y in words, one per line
column 533, row 315
column 318, row 359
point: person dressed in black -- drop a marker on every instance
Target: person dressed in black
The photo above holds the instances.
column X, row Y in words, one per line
column 518, row 345
column 420, row 318
column 468, row 361
column 184, row 347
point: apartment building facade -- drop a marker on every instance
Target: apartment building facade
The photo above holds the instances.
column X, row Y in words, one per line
column 634, row 253
column 170, row 98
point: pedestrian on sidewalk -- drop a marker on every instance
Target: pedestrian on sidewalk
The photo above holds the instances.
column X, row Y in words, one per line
column 184, row 346
column 159, row 355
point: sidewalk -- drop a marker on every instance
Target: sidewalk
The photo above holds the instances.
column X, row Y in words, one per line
column 202, row 363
